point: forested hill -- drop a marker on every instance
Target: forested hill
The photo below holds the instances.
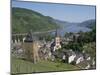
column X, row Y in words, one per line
column 89, row 23
column 24, row 20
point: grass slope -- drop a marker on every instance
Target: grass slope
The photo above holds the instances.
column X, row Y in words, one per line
column 22, row 66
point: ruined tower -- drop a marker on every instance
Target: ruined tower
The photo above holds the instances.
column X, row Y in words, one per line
column 31, row 48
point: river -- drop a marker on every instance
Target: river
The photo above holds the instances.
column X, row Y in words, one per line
column 72, row 28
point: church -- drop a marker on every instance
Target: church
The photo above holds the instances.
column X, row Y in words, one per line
column 56, row 44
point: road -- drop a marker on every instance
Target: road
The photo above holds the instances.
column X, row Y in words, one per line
column 34, row 33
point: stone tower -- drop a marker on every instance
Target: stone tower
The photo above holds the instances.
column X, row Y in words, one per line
column 31, row 48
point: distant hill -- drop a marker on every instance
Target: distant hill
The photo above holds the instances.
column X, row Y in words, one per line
column 89, row 23
column 66, row 26
column 24, row 20
column 65, row 23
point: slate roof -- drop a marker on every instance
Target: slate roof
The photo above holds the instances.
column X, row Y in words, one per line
column 83, row 64
column 69, row 52
column 86, row 55
column 78, row 55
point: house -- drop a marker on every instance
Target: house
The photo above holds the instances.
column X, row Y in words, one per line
column 44, row 53
column 88, row 66
column 70, row 55
column 79, row 58
column 48, row 44
column 84, row 64
column 52, row 58
column 86, row 56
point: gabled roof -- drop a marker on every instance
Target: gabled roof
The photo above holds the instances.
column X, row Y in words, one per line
column 86, row 55
column 78, row 55
column 83, row 64
column 68, row 52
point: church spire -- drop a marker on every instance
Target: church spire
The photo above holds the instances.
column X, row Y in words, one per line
column 56, row 33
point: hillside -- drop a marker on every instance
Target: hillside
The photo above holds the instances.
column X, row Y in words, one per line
column 73, row 27
column 24, row 20
column 23, row 66
column 65, row 23
column 89, row 23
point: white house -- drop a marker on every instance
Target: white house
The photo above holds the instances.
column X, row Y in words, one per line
column 70, row 55
column 71, row 58
column 89, row 58
column 79, row 58
column 86, row 56
column 88, row 66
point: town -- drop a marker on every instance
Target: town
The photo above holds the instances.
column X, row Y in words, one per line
column 35, row 49
column 49, row 37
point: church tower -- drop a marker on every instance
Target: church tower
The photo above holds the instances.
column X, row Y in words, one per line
column 57, row 41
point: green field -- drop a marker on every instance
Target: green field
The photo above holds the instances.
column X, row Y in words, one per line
column 22, row 66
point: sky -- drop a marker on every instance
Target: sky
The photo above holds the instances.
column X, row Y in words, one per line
column 64, row 12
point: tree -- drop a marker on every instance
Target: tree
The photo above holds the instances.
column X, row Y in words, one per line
column 90, row 48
